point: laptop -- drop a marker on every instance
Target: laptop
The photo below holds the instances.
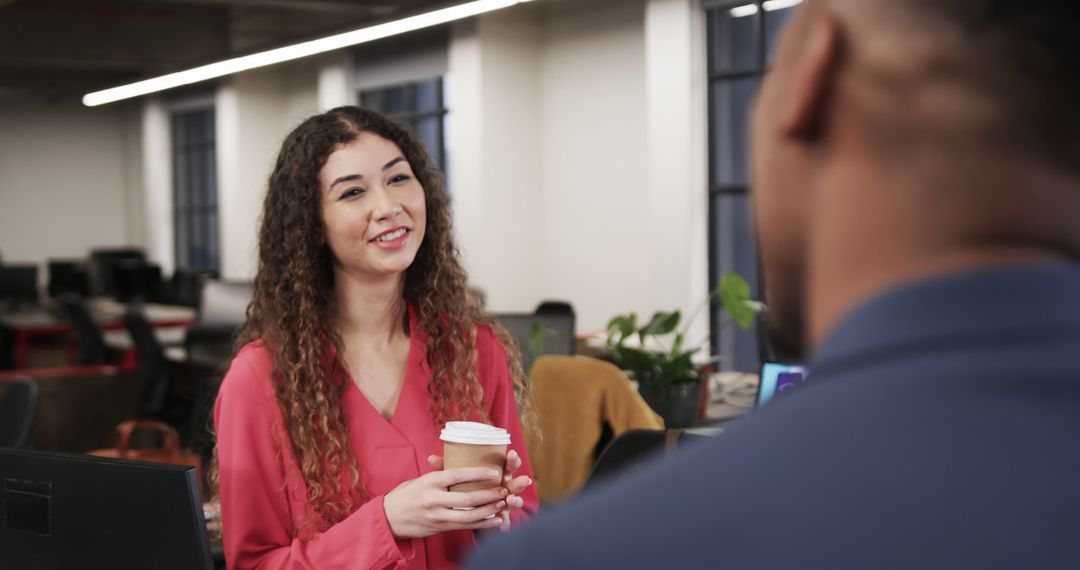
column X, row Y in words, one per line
column 77, row 511
column 777, row 379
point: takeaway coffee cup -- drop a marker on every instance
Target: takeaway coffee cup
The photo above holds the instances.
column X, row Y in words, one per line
column 472, row 444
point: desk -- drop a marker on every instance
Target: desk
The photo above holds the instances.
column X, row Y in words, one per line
column 39, row 320
column 731, row 396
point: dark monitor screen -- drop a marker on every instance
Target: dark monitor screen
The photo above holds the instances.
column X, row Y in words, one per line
column 102, row 268
column 68, row 277
column 78, row 511
column 557, row 331
column 18, row 283
column 135, row 279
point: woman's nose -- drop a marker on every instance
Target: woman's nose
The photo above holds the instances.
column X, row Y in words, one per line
column 385, row 207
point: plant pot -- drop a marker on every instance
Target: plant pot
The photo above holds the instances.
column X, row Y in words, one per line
column 677, row 404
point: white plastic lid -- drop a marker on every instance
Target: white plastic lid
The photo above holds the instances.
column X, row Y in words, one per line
column 474, row 433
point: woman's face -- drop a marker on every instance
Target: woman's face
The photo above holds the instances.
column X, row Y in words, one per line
column 372, row 207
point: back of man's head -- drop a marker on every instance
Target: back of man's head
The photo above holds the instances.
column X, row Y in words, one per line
column 898, row 139
column 1005, row 72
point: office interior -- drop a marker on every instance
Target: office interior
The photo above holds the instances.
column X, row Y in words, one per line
column 595, row 152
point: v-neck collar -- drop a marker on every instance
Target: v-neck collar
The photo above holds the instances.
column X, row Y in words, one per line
column 416, row 351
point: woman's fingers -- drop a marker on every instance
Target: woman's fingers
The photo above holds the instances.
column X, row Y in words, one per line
column 474, row 498
column 451, row 477
column 483, row 515
column 436, row 462
column 513, row 462
column 518, row 484
column 515, row 502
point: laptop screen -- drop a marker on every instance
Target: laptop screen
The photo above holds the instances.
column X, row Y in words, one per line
column 778, row 378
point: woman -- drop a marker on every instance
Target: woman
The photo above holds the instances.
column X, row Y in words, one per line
column 361, row 341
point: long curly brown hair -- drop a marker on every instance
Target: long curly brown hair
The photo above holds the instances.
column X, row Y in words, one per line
column 292, row 306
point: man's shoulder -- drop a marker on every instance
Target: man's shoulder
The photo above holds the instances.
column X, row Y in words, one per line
column 836, row 475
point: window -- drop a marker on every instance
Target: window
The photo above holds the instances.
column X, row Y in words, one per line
column 418, row 103
column 195, row 190
column 740, row 38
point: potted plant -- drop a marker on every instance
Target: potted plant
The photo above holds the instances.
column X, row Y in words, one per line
column 668, row 373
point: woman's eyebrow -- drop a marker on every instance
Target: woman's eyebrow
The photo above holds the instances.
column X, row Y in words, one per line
column 352, row 177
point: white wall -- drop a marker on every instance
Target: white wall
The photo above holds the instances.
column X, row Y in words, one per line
column 67, row 177
column 496, row 156
column 255, row 110
column 598, row 223
column 578, row 168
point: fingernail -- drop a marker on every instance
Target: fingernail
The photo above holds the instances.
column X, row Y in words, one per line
column 504, row 492
column 500, row 504
column 494, row 474
column 528, row 480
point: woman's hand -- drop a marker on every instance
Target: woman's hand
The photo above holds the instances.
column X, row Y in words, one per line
column 423, row 506
column 512, row 485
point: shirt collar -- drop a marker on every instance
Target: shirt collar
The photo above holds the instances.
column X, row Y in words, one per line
column 973, row 304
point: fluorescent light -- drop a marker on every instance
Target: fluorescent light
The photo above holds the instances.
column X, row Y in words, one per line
column 296, row 51
column 742, row 11
column 769, row 5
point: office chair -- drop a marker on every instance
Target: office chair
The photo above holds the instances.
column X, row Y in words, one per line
column 578, row 399
column 18, row 406
column 153, row 371
column 634, row 448
column 91, row 342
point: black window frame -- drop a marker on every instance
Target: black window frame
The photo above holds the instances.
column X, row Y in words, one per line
column 196, row 231
column 412, row 114
column 718, row 190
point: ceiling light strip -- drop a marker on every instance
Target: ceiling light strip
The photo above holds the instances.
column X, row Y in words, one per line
column 296, row 51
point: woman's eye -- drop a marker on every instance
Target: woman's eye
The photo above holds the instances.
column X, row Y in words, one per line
column 399, row 178
column 354, row 191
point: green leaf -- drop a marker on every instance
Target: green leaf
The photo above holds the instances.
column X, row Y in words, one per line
column 734, row 294
column 677, row 346
column 661, row 323
column 537, row 339
column 623, row 326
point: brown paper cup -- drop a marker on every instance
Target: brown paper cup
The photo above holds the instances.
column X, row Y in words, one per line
column 456, row 455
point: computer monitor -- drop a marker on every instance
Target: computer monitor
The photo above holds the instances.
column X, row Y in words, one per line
column 135, row 279
column 18, row 283
column 102, row 265
column 77, row 511
column 557, row 330
column 778, row 378
column 68, row 277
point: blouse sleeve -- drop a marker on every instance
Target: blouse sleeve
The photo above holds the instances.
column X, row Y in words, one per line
column 503, row 409
column 255, row 513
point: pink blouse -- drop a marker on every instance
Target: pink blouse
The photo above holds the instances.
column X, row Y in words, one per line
column 263, row 495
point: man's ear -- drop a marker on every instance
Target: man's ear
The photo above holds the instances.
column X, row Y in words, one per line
column 813, row 76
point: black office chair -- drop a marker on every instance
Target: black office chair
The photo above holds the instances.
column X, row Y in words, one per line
column 18, row 406
column 634, row 448
column 91, row 342
column 153, row 371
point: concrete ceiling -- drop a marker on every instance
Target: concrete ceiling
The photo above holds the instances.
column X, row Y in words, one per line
column 62, row 49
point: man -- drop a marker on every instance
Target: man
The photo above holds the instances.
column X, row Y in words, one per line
column 917, row 197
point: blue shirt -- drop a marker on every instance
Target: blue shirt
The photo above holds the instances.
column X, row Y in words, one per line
column 940, row 428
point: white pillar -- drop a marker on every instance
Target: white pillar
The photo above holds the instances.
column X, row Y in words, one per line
column 677, row 154
column 158, row 184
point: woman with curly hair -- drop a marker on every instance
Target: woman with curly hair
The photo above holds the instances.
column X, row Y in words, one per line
column 361, row 340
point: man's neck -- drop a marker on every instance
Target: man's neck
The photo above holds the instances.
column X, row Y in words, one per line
column 872, row 234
